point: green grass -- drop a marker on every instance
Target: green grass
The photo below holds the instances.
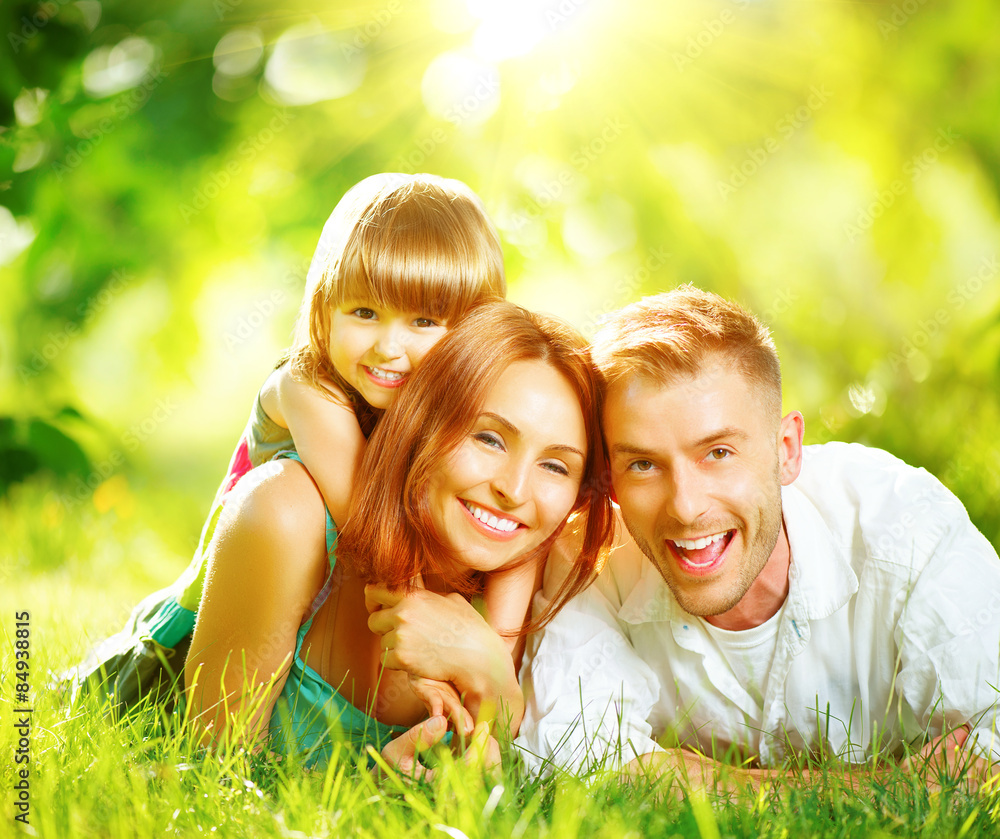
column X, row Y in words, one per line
column 91, row 777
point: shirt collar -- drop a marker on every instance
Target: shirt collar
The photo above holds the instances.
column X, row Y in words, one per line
column 821, row 579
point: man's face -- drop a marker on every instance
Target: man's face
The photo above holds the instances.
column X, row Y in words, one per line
column 697, row 465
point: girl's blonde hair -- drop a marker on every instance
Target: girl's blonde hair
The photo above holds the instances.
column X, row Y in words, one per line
column 415, row 243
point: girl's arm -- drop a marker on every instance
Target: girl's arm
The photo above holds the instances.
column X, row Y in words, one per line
column 325, row 432
column 265, row 565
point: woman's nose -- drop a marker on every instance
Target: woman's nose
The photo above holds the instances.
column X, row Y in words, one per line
column 511, row 483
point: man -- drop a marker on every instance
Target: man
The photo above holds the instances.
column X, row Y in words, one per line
column 774, row 598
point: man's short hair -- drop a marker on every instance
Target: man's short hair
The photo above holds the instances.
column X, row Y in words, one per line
column 673, row 334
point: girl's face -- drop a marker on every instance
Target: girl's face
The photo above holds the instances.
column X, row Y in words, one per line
column 375, row 348
column 517, row 473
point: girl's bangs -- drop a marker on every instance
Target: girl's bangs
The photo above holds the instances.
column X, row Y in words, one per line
column 435, row 282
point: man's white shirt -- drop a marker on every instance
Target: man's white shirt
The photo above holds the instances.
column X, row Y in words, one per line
column 891, row 629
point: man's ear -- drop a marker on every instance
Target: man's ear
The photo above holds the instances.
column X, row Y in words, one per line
column 790, row 432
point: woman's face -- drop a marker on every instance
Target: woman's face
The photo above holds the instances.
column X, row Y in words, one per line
column 517, row 472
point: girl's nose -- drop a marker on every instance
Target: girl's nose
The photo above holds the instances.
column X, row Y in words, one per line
column 389, row 344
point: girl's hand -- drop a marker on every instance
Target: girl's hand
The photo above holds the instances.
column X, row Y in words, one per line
column 482, row 752
column 441, row 698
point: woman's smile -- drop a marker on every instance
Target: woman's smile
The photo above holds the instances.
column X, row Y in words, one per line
column 492, row 522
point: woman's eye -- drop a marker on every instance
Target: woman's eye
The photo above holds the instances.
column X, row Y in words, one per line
column 640, row 466
column 364, row 314
column 425, row 323
column 555, row 466
column 489, row 439
column 718, row 454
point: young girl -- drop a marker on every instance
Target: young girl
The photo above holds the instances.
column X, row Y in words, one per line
column 400, row 260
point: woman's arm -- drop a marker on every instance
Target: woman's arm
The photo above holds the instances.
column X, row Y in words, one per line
column 325, row 432
column 443, row 637
column 266, row 563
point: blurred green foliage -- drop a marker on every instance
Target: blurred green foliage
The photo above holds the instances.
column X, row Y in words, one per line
column 165, row 170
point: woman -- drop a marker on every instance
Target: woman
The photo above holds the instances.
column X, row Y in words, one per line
column 495, row 444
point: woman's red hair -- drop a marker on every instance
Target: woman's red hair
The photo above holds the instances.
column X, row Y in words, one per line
column 390, row 536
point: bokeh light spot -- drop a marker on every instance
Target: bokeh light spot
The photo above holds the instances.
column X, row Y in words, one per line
column 461, row 89
column 239, row 52
column 310, row 64
column 110, row 70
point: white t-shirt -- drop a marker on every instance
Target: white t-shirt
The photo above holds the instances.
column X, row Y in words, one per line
column 749, row 654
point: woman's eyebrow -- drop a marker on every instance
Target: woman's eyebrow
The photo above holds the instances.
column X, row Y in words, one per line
column 513, row 429
column 506, row 423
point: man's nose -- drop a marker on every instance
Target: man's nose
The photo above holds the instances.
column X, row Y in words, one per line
column 688, row 499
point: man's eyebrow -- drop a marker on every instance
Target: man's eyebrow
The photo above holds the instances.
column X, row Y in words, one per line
column 729, row 433
column 513, row 429
column 628, row 448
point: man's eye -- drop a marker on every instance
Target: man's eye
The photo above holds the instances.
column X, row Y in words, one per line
column 719, row 454
column 640, row 466
column 364, row 314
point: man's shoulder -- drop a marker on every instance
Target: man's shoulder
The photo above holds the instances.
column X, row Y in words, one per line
column 851, row 470
column 869, row 497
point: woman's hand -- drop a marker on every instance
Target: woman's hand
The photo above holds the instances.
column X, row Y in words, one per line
column 442, row 637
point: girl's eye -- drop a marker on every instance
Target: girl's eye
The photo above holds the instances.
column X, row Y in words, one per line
column 425, row 323
column 364, row 314
column 489, row 439
column 718, row 454
column 640, row 466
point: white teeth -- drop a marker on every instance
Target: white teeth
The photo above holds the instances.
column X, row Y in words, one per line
column 388, row 375
column 491, row 520
column 698, row 544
